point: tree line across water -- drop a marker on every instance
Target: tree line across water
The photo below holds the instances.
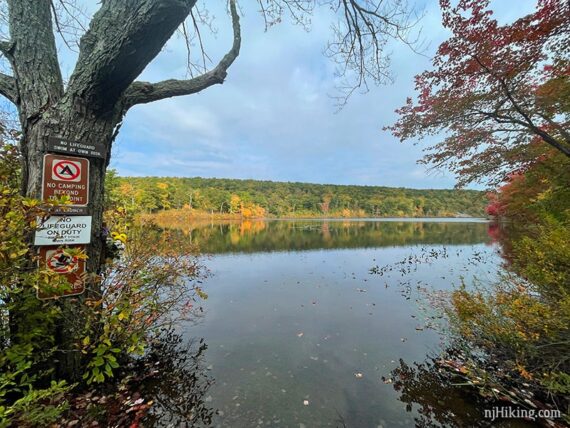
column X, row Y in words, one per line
column 253, row 198
column 244, row 236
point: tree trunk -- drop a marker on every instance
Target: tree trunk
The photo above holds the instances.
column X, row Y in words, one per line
column 63, row 120
column 122, row 38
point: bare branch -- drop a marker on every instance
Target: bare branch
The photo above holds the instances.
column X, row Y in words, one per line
column 359, row 39
column 145, row 92
column 565, row 134
column 204, row 55
column 8, row 88
column 70, row 20
column 59, row 27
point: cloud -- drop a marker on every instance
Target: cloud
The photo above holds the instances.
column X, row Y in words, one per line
column 274, row 119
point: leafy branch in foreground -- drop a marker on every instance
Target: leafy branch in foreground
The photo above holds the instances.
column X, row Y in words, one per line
column 498, row 93
column 144, row 289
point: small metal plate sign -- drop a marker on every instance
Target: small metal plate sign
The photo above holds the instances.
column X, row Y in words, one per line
column 62, row 261
column 60, row 230
column 66, row 176
column 76, row 148
column 70, row 210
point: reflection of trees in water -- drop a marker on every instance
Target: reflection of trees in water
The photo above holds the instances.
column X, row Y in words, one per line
column 254, row 236
column 438, row 395
column 430, row 390
column 441, row 399
column 180, row 384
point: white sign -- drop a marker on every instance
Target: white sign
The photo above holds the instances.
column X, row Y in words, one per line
column 61, row 229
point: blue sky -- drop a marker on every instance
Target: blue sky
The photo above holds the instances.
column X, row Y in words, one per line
column 273, row 118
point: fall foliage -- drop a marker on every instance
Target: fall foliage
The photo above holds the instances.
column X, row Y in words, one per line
column 227, row 198
column 497, row 94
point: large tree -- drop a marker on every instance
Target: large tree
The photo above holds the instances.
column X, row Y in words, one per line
column 121, row 39
column 497, row 95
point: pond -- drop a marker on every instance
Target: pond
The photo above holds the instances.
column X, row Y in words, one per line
column 306, row 320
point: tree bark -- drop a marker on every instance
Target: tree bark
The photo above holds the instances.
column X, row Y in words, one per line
column 123, row 37
column 46, row 110
column 63, row 121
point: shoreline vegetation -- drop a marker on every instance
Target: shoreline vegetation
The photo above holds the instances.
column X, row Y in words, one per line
column 176, row 218
column 231, row 199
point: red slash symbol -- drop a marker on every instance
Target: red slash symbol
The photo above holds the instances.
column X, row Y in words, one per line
column 66, row 170
column 61, row 262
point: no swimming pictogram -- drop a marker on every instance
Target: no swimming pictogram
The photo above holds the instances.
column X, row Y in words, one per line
column 61, row 262
column 67, row 262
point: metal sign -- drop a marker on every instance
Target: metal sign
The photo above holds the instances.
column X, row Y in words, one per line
column 66, row 176
column 59, row 230
column 62, row 261
column 69, row 210
column 70, row 147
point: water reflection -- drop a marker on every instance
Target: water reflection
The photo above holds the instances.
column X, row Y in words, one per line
column 301, row 334
column 181, row 383
column 302, row 235
column 433, row 393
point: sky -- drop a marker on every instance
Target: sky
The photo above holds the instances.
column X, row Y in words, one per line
column 274, row 118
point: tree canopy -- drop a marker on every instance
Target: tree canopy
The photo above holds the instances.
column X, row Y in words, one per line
column 253, row 198
column 497, row 93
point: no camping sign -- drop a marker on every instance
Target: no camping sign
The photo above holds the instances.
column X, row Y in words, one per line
column 66, row 176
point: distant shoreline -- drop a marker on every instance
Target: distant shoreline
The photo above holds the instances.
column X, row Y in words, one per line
column 169, row 216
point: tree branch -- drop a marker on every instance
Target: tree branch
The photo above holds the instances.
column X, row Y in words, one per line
column 565, row 134
column 33, row 55
column 123, row 37
column 145, row 92
column 527, row 123
column 8, row 88
column 546, row 137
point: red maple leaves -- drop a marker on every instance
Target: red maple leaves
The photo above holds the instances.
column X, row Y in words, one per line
column 492, row 90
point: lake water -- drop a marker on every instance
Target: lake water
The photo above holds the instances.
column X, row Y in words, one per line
column 301, row 332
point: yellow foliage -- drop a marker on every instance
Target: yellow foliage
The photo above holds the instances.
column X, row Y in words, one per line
column 162, row 186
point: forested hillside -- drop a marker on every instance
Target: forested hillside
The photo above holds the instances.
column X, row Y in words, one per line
column 252, row 198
